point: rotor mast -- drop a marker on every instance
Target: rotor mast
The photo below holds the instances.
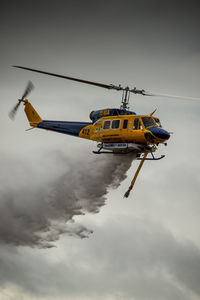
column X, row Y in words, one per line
column 125, row 98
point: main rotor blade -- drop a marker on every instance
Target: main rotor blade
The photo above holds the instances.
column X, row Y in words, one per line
column 171, row 96
column 107, row 86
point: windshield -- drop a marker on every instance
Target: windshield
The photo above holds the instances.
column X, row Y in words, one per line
column 158, row 122
column 148, row 122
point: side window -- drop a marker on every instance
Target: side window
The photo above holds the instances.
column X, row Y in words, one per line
column 115, row 124
column 137, row 124
column 98, row 123
column 106, row 125
column 125, row 124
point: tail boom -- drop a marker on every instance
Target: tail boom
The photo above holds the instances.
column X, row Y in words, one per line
column 80, row 129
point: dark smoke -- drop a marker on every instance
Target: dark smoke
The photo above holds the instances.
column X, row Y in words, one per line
column 37, row 216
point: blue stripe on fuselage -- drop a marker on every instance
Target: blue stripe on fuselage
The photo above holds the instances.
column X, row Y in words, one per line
column 72, row 128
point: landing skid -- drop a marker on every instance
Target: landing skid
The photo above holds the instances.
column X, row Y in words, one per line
column 153, row 157
column 127, row 152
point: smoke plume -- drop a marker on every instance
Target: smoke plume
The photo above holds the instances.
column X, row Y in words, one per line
column 36, row 216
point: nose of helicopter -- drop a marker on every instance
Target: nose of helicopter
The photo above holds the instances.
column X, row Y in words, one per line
column 160, row 133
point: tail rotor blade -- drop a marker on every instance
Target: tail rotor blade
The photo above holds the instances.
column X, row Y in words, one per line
column 28, row 89
column 13, row 112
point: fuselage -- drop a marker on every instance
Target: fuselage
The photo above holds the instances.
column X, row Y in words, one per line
column 118, row 128
column 142, row 129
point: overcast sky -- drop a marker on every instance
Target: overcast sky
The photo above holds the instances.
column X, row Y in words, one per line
column 66, row 232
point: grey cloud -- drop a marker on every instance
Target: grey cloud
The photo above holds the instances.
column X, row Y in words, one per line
column 146, row 261
column 149, row 263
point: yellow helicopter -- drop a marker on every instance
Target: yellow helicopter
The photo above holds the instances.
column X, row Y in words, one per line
column 117, row 131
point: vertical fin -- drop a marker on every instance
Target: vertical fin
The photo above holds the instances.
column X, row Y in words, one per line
column 32, row 116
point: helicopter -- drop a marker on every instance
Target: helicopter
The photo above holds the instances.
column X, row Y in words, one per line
column 117, row 131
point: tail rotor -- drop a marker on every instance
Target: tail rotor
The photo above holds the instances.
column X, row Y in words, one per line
column 28, row 89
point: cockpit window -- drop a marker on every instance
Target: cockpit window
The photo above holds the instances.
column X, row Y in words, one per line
column 158, row 122
column 148, row 122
